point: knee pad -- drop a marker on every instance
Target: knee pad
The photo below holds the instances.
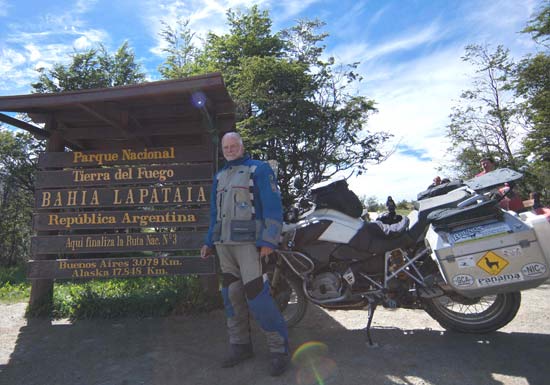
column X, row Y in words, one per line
column 266, row 312
column 228, row 279
column 253, row 288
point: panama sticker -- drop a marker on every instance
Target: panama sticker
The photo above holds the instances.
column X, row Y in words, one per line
column 503, row 279
column 492, row 263
column 463, row 280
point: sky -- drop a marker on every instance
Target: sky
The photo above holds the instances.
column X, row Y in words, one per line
column 409, row 54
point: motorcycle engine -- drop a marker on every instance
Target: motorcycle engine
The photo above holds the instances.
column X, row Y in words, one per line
column 326, row 286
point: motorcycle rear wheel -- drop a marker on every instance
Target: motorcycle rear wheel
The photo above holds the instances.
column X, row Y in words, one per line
column 290, row 298
column 482, row 315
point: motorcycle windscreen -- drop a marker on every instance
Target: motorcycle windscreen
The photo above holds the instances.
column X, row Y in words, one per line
column 493, row 179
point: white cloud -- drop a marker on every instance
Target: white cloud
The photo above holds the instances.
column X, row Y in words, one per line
column 11, row 59
column 33, row 52
column 46, row 39
column 82, row 43
column 364, row 52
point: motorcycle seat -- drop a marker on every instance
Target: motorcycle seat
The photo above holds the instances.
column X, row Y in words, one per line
column 377, row 237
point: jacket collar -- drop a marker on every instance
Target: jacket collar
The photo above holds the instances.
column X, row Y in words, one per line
column 237, row 162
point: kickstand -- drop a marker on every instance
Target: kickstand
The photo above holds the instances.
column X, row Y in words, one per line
column 371, row 309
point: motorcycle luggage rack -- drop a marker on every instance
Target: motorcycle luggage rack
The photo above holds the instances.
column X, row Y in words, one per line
column 388, row 275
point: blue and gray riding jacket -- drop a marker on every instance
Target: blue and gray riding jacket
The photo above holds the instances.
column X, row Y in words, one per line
column 245, row 205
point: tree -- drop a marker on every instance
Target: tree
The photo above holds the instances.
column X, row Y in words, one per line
column 18, row 157
column 18, row 152
column 486, row 120
column 181, row 59
column 539, row 26
column 94, row 68
column 533, row 85
column 292, row 106
column 372, row 204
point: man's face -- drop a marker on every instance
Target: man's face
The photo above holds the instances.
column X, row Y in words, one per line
column 487, row 165
column 232, row 148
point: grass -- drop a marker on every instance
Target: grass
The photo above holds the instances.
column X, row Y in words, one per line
column 138, row 297
column 13, row 284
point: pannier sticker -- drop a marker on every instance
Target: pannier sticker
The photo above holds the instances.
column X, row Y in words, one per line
column 477, row 232
column 534, row 269
column 467, row 261
column 463, row 280
column 492, row 263
column 499, row 279
column 511, row 252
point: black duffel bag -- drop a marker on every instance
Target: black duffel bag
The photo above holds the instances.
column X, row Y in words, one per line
column 337, row 196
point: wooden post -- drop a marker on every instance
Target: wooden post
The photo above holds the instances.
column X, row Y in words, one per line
column 210, row 283
column 41, row 297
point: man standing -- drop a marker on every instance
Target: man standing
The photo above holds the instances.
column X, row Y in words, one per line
column 245, row 227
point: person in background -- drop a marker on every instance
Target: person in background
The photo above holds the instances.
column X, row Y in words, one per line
column 245, row 226
column 512, row 201
column 538, row 208
column 487, row 165
column 437, row 181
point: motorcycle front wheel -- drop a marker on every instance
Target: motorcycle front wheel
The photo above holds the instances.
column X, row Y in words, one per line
column 290, row 298
column 480, row 315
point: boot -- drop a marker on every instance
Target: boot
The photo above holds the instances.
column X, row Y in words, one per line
column 238, row 354
column 279, row 363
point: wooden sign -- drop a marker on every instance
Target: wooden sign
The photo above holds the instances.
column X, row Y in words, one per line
column 123, row 175
column 190, row 194
column 120, row 219
column 119, row 242
column 119, row 267
column 124, row 156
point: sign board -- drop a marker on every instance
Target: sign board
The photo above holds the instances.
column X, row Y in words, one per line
column 120, row 219
column 124, row 156
column 106, row 243
column 123, row 175
column 165, row 195
column 123, row 267
column 121, row 201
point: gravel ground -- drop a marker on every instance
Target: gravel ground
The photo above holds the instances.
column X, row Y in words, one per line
column 413, row 350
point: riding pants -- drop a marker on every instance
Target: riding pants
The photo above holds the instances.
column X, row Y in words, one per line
column 245, row 288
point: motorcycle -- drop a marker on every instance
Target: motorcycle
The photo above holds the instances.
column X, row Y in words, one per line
column 458, row 256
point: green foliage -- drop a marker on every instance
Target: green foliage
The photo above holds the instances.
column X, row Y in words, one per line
column 292, row 106
column 372, row 204
column 94, row 68
column 490, row 117
column 140, row 297
column 181, row 53
column 485, row 122
column 18, row 166
column 13, row 284
column 533, row 85
column 539, row 26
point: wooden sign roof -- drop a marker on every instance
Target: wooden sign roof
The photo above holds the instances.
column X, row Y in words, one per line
column 177, row 112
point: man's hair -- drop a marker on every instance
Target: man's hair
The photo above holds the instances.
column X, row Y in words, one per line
column 235, row 135
column 487, row 158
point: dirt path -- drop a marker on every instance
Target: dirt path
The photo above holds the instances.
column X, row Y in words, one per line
column 413, row 350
